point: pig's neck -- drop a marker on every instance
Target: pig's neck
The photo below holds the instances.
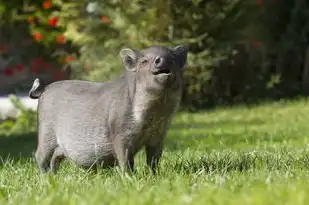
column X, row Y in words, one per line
column 148, row 104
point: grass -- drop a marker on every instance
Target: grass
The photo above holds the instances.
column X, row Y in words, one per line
column 242, row 155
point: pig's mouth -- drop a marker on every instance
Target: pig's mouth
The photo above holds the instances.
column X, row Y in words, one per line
column 163, row 71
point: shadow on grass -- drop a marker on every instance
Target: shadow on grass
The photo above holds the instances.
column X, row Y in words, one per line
column 16, row 147
column 22, row 146
column 219, row 124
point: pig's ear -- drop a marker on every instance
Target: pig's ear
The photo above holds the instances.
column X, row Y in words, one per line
column 129, row 58
column 181, row 53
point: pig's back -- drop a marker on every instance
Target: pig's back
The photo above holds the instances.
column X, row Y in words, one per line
column 69, row 98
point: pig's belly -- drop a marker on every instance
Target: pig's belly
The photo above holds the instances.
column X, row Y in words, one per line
column 85, row 142
column 89, row 153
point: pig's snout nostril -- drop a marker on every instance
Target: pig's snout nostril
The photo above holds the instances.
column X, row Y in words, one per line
column 158, row 62
column 161, row 66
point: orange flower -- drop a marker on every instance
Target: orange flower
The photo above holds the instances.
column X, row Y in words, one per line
column 53, row 21
column 69, row 59
column 37, row 36
column 47, row 4
column 105, row 19
column 60, row 39
column 31, row 19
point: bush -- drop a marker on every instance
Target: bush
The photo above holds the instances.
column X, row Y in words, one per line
column 25, row 122
column 240, row 51
column 210, row 28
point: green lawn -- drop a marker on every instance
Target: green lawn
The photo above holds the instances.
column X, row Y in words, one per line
column 257, row 155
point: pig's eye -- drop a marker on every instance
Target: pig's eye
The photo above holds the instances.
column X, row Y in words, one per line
column 144, row 61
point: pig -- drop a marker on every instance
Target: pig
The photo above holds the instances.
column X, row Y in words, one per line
column 106, row 123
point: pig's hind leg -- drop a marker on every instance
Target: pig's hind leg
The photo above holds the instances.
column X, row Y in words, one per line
column 56, row 159
column 47, row 145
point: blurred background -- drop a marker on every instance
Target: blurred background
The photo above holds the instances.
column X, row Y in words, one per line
column 241, row 51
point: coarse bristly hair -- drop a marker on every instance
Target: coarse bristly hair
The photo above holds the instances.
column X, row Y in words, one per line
column 107, row 123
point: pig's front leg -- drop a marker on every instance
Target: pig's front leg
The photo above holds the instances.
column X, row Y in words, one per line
column 124, row 154
column 153, row 154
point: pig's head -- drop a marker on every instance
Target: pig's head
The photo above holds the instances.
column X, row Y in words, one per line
column 156, row 67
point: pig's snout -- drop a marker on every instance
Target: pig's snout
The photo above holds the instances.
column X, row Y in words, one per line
column 158, row 62
column 161, row 66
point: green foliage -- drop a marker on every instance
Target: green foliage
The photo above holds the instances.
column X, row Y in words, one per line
column 24, row 123
column 112, row 25
column 34, row 26
column 238, row 50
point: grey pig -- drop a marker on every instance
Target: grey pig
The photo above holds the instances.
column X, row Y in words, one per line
column 107, row 123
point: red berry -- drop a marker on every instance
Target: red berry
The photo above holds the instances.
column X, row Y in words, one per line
column 31, row 19
column 53, row 21
column 70, row 58
column 37, row 36
column 105, row 19
column 19, row 67
column 8, row 72
column 47, row 4
column 60, row 39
